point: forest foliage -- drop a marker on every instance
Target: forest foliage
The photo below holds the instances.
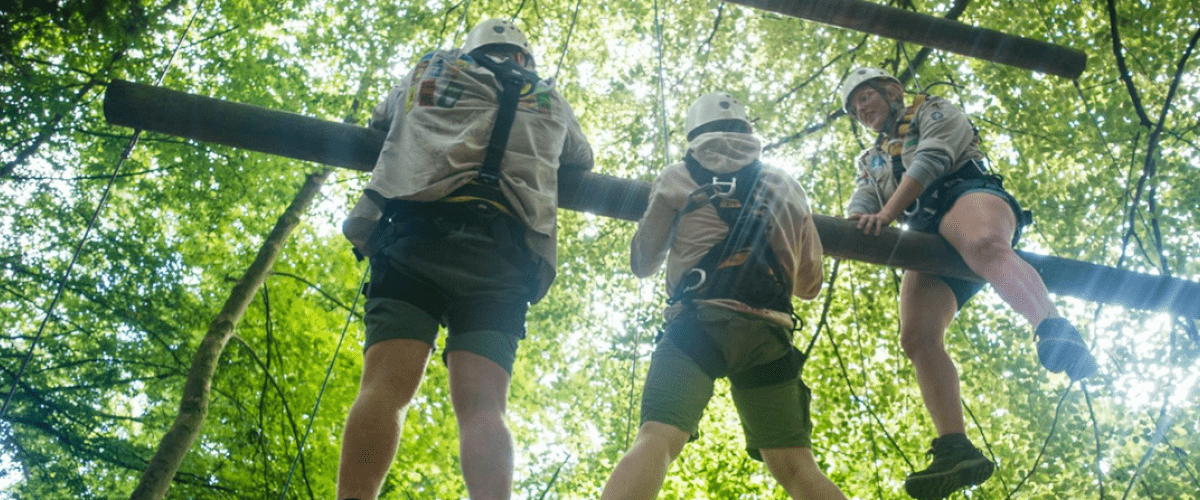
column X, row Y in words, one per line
column 1108, row 163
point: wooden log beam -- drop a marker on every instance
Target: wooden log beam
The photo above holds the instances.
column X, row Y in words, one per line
column 935, row 32
column 304, row 138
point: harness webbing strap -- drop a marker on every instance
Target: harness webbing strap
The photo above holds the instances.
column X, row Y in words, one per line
column 513, row 78
column 684, row 332
column 742, row 266
column 739, row 183
column 729, row 193
column 895, row 148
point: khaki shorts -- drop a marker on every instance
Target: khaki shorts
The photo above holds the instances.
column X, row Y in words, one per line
column 471, row 277
column 677, row 390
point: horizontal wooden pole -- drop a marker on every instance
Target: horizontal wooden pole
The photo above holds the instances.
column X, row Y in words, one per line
column 304, row 138
column 932, row 31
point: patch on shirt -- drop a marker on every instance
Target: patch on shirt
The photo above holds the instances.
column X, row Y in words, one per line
column 451, row 95
column 425, row 95
column 877, row 162
column 540, row 101
column 937, row 115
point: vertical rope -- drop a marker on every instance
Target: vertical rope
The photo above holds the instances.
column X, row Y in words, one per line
column 567, row 43
column 325, row 382
column 662, row 99
column 662, row 104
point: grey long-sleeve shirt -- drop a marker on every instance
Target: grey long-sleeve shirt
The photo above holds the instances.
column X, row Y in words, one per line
column 939, row 140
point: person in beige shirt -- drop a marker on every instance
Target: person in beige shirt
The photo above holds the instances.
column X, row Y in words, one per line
column 458, row 221
column 926, row 170
column 739, row 242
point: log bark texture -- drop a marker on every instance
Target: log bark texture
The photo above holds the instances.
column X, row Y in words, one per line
column 348, row 146
column 935, row 32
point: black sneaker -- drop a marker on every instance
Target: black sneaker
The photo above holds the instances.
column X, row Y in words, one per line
column 1060, row 348
column 956, row 464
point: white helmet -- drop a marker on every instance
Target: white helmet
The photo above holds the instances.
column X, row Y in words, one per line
column 857, row 78
column 496, row 32
column 713, row 107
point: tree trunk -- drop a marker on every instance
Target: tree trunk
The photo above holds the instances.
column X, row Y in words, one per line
column 193, row 405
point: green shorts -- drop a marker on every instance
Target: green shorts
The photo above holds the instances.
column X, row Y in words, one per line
column 474, row 277
column 677, row 390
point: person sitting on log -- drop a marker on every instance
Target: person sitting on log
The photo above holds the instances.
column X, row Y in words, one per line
column 458, row 221
column 926, row 170
column 739, row 242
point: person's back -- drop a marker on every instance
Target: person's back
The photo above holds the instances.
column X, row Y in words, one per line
column 718, row 218
column 459, row 223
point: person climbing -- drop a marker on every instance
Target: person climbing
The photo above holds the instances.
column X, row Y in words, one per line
column 458, row 221
column 739, row 241
column 926, row 169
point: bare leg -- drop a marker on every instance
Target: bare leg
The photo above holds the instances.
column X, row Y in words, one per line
column 641, row 472
column 392, row 372
column 479, row 389
column 980, row 226
column 927, row 306
column 797, row 471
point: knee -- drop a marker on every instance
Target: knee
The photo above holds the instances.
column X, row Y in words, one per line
column 474, row 410
column 476, row 404
column 661, row 440
column 388, row 394
column 987, row 248
column 917, row 342
column 790, row 465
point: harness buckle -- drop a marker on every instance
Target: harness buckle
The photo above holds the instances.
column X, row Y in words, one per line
column 718, row 185
column 703, row 276
column 913, row 208
column 488, row 178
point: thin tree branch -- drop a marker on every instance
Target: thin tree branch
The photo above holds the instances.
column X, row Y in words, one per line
column 1119, row 52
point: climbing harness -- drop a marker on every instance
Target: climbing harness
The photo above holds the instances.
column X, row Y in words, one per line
column 480, row 198
column 513, row 80
column 682, row 331
column 742, row 267
column 926, row 212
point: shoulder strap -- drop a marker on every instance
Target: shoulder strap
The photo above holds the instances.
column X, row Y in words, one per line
column 728, row 192
column 512, row 79
column 895, row 148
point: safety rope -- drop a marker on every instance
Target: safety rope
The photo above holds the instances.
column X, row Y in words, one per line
column 662, row 98
column 1045, row 443
column 637, row 338
column 567, row 42
column 837, row 353
column 858, row 399
column 62, row 282
column 312, row 417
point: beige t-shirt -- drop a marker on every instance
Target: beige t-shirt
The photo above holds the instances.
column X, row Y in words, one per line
column 666, row 233
column 439, row 121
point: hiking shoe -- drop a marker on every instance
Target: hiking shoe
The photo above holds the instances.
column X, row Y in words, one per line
column 956, row 464
column 1060, row 348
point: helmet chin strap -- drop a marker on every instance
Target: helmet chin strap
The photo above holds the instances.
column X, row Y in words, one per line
column 895, row 110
